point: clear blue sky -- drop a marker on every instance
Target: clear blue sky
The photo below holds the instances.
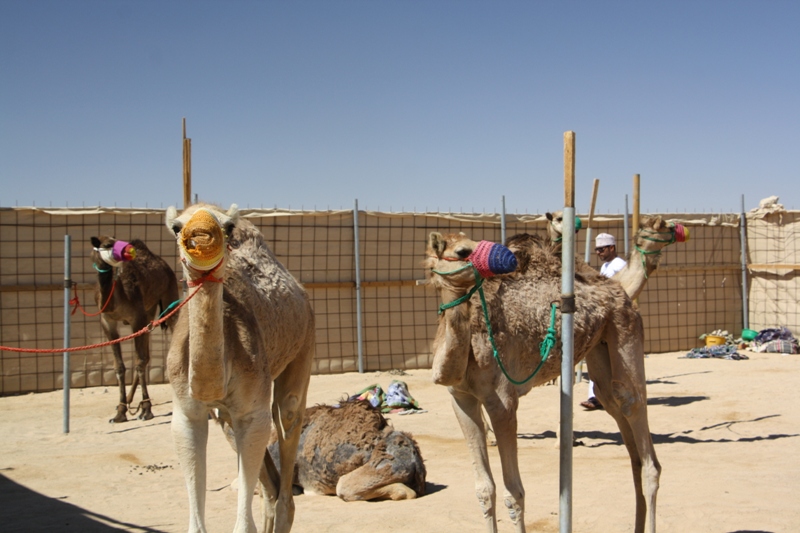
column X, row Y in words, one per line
column 438, row 105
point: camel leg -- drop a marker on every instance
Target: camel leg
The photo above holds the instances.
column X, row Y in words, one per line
column 370, row 483
column 110, row 329
column 631, row 418
column 504, row 420
column 288, row 408
column 251, row 433
column 270, row 481
column 142, row 344
column 190, row 437
column 468, row 413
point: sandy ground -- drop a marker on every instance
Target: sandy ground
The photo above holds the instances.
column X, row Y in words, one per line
column 727, row 434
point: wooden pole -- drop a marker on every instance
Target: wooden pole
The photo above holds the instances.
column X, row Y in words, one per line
column 569, row 169
column 635, row 225
column 187, row 168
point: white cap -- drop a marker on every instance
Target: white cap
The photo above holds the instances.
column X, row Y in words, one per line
column 604, row 239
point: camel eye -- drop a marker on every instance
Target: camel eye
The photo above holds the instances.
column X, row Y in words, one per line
column 176, row 228
column 463, row 253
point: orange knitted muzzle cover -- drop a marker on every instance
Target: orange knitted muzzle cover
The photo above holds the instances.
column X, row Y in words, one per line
column 202, row 243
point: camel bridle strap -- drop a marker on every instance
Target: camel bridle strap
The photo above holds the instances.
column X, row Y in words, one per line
column 669, row 241
column 207, row 276
column 544, row 347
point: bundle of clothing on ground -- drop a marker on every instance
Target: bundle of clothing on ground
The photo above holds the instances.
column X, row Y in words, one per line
column 775, row 340
column 396, row 399
column 770, row 340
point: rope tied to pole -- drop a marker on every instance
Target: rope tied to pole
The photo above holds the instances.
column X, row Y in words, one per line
column 166, row 315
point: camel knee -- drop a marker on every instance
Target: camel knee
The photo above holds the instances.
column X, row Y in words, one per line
column 625, row 397
column 289, row 413
column 516, row 508
column 486, row 498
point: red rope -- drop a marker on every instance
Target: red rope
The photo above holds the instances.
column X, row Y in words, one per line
column 147, row 329
column 75, row 302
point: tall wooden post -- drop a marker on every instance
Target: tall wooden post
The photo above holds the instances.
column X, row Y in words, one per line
column 187, row 168
column 635, row 225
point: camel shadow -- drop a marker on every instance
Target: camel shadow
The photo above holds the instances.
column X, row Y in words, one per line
column 667, row 380
column 675, row 401
column 432, row 488
column 25, row 510
column 615, row 439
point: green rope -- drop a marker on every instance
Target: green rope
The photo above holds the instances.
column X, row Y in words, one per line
column 544, row 347
column 645, row 252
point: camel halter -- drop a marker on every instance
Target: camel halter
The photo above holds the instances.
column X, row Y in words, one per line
column 678, row 233
column 578, row 226
column 544, row 347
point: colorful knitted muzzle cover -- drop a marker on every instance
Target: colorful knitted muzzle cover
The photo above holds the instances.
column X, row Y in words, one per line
column 490, row 258
column 681, row 233
column 201, row 242
column 121, row 251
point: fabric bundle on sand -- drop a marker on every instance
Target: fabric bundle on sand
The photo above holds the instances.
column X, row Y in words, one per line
column 722, row 351
column 775, row 340
column 396, row 399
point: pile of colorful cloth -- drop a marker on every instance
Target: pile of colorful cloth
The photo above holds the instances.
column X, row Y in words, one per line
column 775, row 340
column 721, row 351
column 396, row 399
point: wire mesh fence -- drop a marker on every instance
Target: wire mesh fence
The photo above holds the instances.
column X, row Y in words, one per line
column 697, row 288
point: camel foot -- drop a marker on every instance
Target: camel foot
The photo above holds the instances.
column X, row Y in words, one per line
column 121, row 409
column 145, row 412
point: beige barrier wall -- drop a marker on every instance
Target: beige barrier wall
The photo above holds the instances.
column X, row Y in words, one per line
column 697, row 289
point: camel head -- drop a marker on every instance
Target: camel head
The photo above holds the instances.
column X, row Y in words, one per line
column 109, row 251
column 202, row 231
column 555, row 229
column 655, row 234
column 455, row 261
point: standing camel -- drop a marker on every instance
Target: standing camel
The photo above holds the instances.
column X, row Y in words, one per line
column 133, row 284
column 244, row 347
column 653, row 236
column 608, row 334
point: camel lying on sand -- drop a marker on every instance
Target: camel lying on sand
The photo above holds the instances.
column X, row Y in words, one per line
column 492, row 367
column 352, row 451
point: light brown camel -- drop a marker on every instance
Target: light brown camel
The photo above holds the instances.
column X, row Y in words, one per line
column 352, row 451
column 244, row 342
column 608, row 332
column 133, row 285
column 653, row 236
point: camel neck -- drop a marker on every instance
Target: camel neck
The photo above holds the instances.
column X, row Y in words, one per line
column 207, row 372
column 637, row 272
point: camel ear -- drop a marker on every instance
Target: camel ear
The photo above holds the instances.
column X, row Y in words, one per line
column 233, row 213
column 171, row 223
column 436, row 243
column 549, row 216
column 656, row 222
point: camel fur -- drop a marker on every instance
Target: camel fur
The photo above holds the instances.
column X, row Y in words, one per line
column 243, row 345
column 608, row 334
column 350, row 450
column 132, row 293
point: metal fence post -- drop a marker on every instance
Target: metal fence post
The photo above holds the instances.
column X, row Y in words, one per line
column 358, row 290
column 67, row 288
column 743, row 245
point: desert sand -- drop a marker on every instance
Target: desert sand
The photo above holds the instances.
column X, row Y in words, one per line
column 727, row 434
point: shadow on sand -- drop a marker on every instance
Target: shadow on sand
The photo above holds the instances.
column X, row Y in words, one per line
column 25, row 510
